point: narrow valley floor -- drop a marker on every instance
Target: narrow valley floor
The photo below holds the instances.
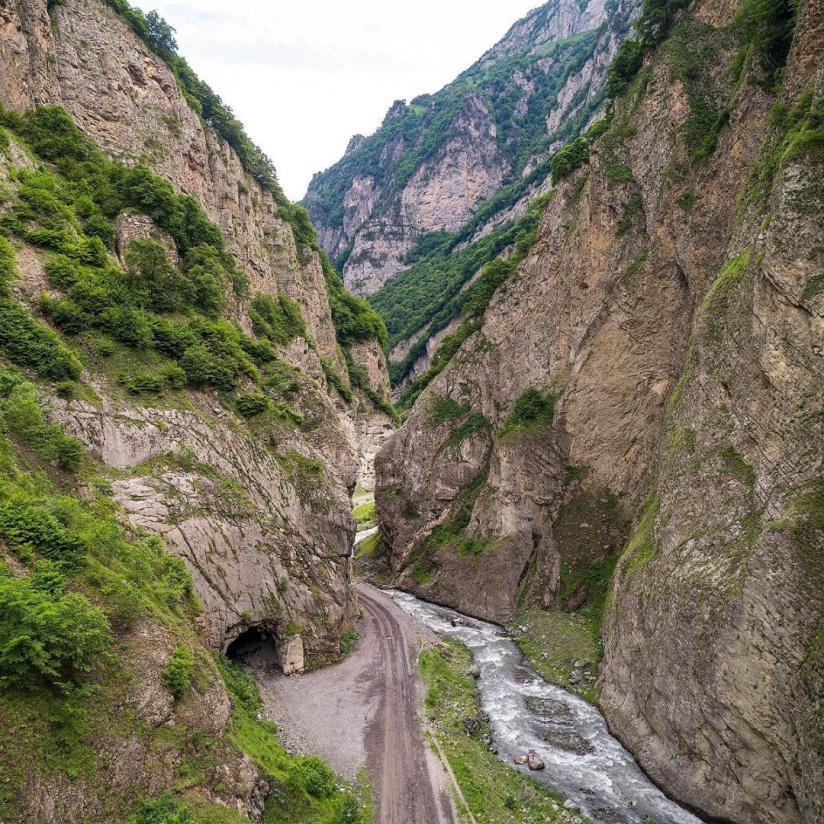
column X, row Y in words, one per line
column 363, row 712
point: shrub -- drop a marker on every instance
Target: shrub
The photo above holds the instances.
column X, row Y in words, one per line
column 163, row 810
column 335, row 380
column 624, row 67
column 531, row 406
column 26, row 527
column 7, row 266
column 575, row 154
column 252, row 404
column 347, row 811
column 140, row 383
column 313, row 776
column 770, row 24
column 445, row 409
column 23, row 419
column 279, row 320
column 48, row 638
column 28, row 343
column 348, row 640
column 177, row 671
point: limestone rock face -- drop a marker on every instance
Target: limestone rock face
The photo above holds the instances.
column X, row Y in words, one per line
column 78, row 54
column 404, row 183
column 267, row 543
column 672, row 310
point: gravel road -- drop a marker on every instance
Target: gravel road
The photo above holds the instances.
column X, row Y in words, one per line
column 363, row 712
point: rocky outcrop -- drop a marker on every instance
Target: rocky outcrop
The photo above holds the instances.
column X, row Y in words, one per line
column 440, row 195
column 453, row 150
column 266, row 534
column 657, row 357
column 80, row 55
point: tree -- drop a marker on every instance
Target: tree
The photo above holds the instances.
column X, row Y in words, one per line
column 161, row 36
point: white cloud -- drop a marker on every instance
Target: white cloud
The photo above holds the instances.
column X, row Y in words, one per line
column 306, row 75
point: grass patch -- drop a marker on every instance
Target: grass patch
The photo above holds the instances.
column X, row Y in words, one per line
column 643, row 545
column 494, row 792
column 444, row 409
column 365, row 515
column 532, row 407
column 556, row 641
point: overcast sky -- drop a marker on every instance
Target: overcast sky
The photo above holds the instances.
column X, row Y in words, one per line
column 305, row 75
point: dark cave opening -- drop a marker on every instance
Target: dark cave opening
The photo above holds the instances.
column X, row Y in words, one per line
column 254, row 644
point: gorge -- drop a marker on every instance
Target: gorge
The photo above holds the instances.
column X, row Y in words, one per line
column 562, row 320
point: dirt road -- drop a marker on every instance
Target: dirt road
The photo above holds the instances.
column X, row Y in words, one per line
column 363, row 712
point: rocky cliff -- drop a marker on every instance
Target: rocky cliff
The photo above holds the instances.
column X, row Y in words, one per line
column 434, row 161
column 179, row 320
column 82, row 56
column 656, row 359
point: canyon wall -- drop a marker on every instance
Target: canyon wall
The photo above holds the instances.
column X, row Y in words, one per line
column 277, row 534
column 435, row 161
column 656, row 359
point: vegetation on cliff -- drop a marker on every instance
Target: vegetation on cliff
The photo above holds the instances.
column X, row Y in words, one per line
column 352, row 318
column 170, row 316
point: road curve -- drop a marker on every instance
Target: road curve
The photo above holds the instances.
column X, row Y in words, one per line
column 364, row 712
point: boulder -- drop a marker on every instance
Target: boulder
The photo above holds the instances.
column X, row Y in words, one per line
column 533, row 761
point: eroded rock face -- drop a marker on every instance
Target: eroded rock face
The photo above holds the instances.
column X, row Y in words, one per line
column 267, row 536
column 683, row 341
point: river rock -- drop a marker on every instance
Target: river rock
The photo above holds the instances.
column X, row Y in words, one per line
column 475, row 671
column 534, row 761
column 520, row 759
column 570, row 805
column 564, row 739
column 548, row 707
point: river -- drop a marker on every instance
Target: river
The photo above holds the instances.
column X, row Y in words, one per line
column 583, row 761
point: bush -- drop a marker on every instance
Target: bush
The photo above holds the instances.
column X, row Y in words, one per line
column 26, row 527
column 252, row 404
column 21, row 417
column 312, row 775
column 163, row 810
column 531, row 406
column 348, row 811
column 46, row 638
column 575, row 154
column 625, row 66
column 30, row 344
column 770, row 25
column 7, row 266
column 177, row 671
column 140, row 383
column 279, row 320
column 335, row 380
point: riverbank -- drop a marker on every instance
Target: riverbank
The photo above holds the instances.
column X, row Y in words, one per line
column 493, row 792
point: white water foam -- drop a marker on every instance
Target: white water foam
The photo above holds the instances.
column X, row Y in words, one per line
column 583, row 761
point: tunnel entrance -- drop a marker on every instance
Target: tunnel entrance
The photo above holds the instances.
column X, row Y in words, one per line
column 257, row 648
column 254, row 648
